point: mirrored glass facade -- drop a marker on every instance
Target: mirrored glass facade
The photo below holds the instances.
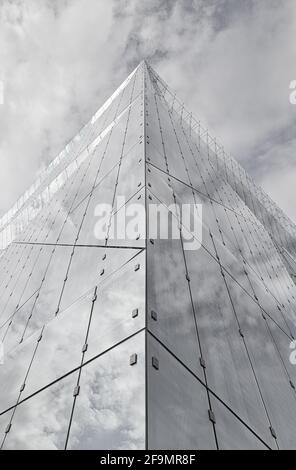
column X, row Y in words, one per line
column 114, row 341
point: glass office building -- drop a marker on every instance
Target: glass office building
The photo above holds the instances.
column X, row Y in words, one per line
column 119, row 342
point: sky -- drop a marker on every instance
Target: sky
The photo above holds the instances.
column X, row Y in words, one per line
column 230, row 61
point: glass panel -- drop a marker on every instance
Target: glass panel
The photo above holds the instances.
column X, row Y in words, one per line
column 13, row 372
column 119, row 310
column 60, row 349
column 30, row 279
column 174, row 157
column 231, row 433
column 154, row 146
column 48, row 296
column 177, row 405
column 41, row 423
column 134, row 130
column 284, row 347
column 72, row 224
column 228, row 369
column 89, row 266
column 110, row 409
column 122, row 137
column 4, row 420
column 102, row 195
column 22, row 284
column 127, row 225
column 168, row 296
column 13, row 329
column 131, row 175
column 160, row 185
column 274, row 309
column 276, row 391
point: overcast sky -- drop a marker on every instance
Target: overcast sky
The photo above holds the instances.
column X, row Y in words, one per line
column 231, row 61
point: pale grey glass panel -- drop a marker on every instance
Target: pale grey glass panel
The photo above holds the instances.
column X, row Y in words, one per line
column 127, row 224
column 184, row 152
column 276, row 391
column 277, row 278
column 228, row 369
column 99, row 123
column 213, row 243
column 257, row 249
column 211, row 207
column 31, row 281
column 273, row 308
column 168, row 296
column 195, row 154
column 177, row 404
column 22, row 264
column 87, row 174
column 42, row 219
column 48, row 296
column 105, row 156
column 4, row 420
column 26, row 280
column 101, row 197
column 37, row 269
column 57, row 214
column 132, row 91
column 13, row 372
column 289, row 263
column 185, row 195
column 60, row 348
column 286, row 351
column 8, row 261
column 138, row 86
column 156, row 157
column 106, row 190
column 41, row 423
column 238, row 269
column 89, row 267
column 45, row 222
column 175, row 160
column 13, row 261
column 227, row 220
column 161, row 185
column 261, row 209
column 110, row 409
column 134, row 130
column 154, row 147
column 13, row 328
column 72, row 224
column 111, row 148
column 119, row 310
column 40, row 224
column 122, row 137
column 54, row 226
column 231, row 433
column 259, row 278
column 118, row 104
column 132, row 174
column 76, row 188
column 102, row 163
column 16, row 264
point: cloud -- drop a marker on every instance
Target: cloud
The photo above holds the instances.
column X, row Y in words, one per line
column 230, row 61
